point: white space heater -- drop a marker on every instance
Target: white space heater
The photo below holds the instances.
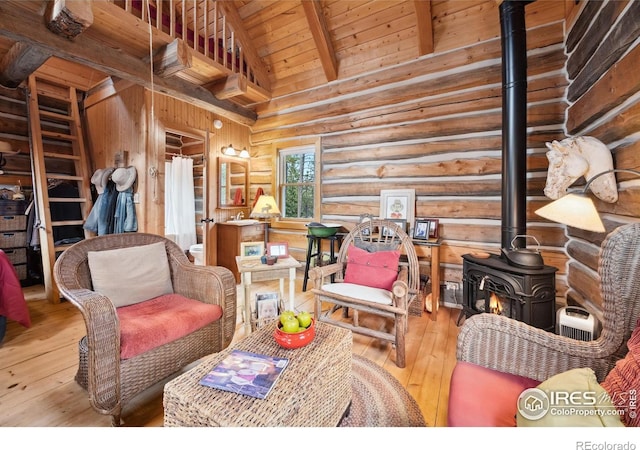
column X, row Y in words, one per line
column 577, row 323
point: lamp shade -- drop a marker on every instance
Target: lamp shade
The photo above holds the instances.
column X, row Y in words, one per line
column 575, row 210
column 265, row 208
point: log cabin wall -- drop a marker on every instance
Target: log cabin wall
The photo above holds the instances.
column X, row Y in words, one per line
column 133, row 129
column 603, row 66
column 433, row 125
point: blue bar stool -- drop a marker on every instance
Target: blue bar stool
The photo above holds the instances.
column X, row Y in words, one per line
column 314, row 250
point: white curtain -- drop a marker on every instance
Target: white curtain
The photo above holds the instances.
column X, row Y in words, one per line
column 179, row 202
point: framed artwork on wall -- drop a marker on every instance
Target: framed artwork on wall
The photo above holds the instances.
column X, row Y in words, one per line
column 279, row 249
column 398, row 204
column 251, row 250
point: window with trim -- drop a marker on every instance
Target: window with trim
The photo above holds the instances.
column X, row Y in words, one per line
column 297, row 182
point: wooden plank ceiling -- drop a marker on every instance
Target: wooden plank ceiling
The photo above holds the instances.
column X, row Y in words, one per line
column 280, row 47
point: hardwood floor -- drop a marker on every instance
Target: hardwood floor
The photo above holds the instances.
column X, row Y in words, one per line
column 37, row 367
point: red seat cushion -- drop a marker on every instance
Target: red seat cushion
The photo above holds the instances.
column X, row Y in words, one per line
column 152, row 323
column 377, row 270
column 481, row 397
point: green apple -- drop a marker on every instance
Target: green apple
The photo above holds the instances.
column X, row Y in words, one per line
column 287, row 315
column 304, row 318
column 291, row 325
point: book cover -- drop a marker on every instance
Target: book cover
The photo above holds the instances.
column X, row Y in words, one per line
column 246, row 373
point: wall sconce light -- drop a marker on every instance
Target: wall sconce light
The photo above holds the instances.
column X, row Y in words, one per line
column 244, row 153
column 578, row 210
column 217, row 124
column 229, row 150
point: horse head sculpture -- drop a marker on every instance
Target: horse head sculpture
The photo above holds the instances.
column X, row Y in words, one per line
column 577, row 157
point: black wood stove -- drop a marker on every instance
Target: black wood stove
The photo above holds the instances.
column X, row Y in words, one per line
column 516, row 283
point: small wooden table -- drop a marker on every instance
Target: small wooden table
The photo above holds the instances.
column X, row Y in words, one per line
column 253, row 270
column 313, row 391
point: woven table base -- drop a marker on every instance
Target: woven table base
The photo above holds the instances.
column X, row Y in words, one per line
column 379, row 400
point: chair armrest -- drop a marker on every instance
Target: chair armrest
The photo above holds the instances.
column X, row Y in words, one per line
column 319, row 273
column 511, row 346
column 209, row 284
column 400, row 288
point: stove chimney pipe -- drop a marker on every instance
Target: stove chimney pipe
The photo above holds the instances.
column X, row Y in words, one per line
column 514, row 122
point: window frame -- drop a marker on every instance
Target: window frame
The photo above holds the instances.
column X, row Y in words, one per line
column 281, row 153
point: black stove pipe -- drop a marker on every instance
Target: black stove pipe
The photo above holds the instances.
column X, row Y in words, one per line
column 514, row 122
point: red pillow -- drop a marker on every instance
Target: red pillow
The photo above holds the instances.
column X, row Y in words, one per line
column 378, row 269
column 623, row 382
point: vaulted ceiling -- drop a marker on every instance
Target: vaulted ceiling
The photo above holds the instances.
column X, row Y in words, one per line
column 265, row 48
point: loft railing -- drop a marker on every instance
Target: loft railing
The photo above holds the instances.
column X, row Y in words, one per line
column 200, row 23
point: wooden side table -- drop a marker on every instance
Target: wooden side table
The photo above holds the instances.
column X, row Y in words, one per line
column 253, row 270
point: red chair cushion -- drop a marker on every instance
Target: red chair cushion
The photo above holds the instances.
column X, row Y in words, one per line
column 150, row 324
column 622, row 383
column 377, row 269
column 481, row 397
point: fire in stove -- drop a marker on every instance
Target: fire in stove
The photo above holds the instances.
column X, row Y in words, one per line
column 495, row 306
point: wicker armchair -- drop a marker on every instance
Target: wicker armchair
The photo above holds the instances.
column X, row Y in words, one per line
column 509, row 346
column 404, row 291
column 110, row 380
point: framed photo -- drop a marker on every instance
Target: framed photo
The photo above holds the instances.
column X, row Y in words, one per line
column 267, row 305
column 366, row 218
column 421, row 229
column 398, row 204
column 251, row 250
column 279, row 249
column 433, row 228
column 388, row 232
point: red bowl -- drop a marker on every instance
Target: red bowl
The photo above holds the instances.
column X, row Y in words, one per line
column 295, row 340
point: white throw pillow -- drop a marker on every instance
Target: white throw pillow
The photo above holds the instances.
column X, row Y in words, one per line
column 131, row 275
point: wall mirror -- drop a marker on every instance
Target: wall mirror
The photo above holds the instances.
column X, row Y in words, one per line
column 233, row 182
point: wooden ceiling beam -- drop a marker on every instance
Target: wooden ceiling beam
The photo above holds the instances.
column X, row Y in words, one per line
column 425, row 26
column 69, row 18
column 21, row 25
column 172, row 58
column 19, row 62
column 250, row 53
column 321, row 37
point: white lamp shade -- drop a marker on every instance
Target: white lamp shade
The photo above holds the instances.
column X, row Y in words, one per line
column 266, row 207
column 574, row 210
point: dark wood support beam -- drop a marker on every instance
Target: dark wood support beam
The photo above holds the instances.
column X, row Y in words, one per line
column 228, row 87
column 172, row 58
column 313, row 11
column 28, row 28
column 425, row 26
column 19, row 62
column 69, row 18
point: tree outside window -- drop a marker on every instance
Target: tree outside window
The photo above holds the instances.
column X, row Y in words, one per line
column 297, row 168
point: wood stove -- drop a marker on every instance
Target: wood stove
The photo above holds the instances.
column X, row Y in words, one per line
column 496, row 284
column 491, row 285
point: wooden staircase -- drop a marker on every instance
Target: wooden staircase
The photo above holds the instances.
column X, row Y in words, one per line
column 58, row 150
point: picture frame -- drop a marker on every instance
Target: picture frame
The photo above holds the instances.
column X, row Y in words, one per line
column 366, row 218
column 398, row 204
column 279, row 249
column 421, row 229
column 387, row 232
column 251, row 250
column 433, row 228
column 267, row 305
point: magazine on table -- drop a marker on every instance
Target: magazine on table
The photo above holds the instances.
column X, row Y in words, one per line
column 246, row 373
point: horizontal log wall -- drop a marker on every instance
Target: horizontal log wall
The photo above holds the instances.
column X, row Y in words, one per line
column 433, row 125
column 603, row 46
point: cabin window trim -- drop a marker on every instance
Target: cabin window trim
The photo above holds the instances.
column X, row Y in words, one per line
column 282, row 153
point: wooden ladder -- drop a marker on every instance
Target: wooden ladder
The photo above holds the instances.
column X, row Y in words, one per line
column 59, row 154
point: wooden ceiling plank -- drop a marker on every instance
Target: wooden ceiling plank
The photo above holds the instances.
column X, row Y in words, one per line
column 22, row 26
column 425, row 26
column 19, row 62
column 321, row 37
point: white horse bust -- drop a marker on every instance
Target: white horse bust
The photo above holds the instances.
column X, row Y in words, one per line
column 573, row 158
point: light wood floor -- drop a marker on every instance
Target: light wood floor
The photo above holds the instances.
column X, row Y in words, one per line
column 37, row 367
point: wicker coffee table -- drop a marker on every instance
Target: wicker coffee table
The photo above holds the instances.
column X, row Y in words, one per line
column 314, row 390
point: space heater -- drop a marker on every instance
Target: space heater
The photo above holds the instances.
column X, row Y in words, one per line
column 577, row 323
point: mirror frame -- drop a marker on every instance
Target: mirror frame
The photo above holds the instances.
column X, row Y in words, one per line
column 231, row 160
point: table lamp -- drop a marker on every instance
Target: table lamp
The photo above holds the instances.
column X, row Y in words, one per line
column 265, row 208
column 578, row 210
